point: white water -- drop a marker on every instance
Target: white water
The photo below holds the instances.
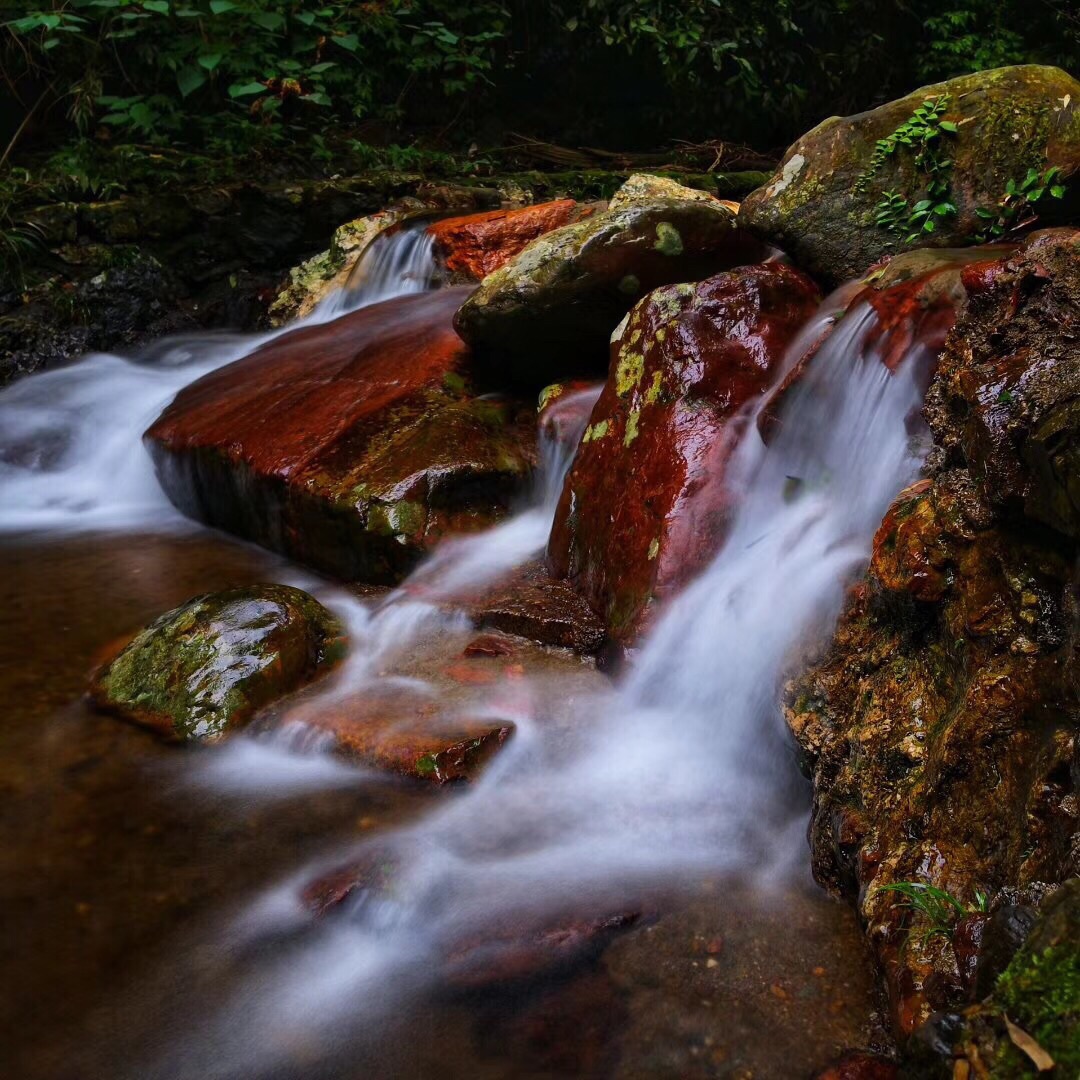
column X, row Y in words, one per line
column 683, row 769
column 70, row 440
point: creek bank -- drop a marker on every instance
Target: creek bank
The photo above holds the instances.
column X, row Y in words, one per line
column 941, row 726
column 113, row 274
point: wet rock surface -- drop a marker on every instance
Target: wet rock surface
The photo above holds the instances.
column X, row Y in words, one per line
column 553, row 307
column 440, row 709
column 824, row 204
column 535, row 605
column 474, row 246
column 941, row 727
column 645, row 504
column 201, row 670
column 352, row 446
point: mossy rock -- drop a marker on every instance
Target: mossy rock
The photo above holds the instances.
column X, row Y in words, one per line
column 821, row 204
column 204, row 668
column 552, row 308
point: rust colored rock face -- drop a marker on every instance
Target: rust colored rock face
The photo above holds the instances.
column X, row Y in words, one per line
column 645, row 504
column 942, row 726
column 913, row 300
column 352, row 446
column 860, row 1066
column 475, row 245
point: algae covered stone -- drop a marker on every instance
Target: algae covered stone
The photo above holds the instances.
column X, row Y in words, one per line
column 553, row 307
column 857, row 188
column 203, row 668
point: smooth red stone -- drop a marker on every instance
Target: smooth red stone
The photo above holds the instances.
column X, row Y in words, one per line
column 475, row 245
column 489, row 645
column 353, row 445
column 646, row 504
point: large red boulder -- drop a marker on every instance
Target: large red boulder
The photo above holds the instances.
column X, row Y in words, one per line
column 645, row 504
column 471, row 247
column 352, row 446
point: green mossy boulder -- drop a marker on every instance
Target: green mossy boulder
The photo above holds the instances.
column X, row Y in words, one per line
column 204, row 668
column 825, row 203
column 551, row 309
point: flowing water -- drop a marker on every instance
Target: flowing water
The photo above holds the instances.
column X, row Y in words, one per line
column 670, row 797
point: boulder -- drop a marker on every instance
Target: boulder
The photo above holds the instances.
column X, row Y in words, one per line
column 684, row 363
column 941, row 726
column 203, row 669
column 940, row 167
column 352, row 446
column 552, row 308
column 472, row 247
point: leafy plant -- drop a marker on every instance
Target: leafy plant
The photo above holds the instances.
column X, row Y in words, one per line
column 940, row 908
column 1016, row 208
column 18, row 240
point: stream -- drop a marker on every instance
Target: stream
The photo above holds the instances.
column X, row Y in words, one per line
column 155, row 925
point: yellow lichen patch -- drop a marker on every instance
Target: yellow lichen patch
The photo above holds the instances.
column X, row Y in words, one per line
column 631, row 427
column 549, row 394
column 652, row 395
column 595, row 431
column 629, row 371
column 654, row 549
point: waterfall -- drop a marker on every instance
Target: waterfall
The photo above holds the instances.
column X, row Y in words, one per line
column 682, row 769
column 70, row 439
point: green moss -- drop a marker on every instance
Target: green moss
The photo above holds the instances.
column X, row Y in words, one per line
column 652, row 395
column 401, row 518
column 1040, row 992
column 549, row 394
column 426, row 765
column 454, row 382
column 631, row 427
column 668, row 240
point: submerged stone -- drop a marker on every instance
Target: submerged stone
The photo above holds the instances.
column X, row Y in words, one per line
column 860, row 187
column 553, row 307
column 645, row 504
column 474, row 246
column 203, row 669
column 352, row 446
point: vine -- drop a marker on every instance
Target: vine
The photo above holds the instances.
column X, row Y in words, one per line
column 1016, row 208
column 921, row 133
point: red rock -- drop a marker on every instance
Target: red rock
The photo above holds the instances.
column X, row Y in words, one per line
column 967, row 941
column 914, row 298
column 473, row 246
column 645, row 505
column 532, row 604
column 489, row 645
column 353, row 446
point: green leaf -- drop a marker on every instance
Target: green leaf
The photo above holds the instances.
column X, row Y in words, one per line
column 219, row 7
column 210, row 60
column 239, row 89
column 949, row 126
column 161, row 7
column 304, row 17
column 316, row 69
column 189, row 78
column 1058, row 191
column 268, row 20
column 923, row 204
column 349, row 42
column 316, row 98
